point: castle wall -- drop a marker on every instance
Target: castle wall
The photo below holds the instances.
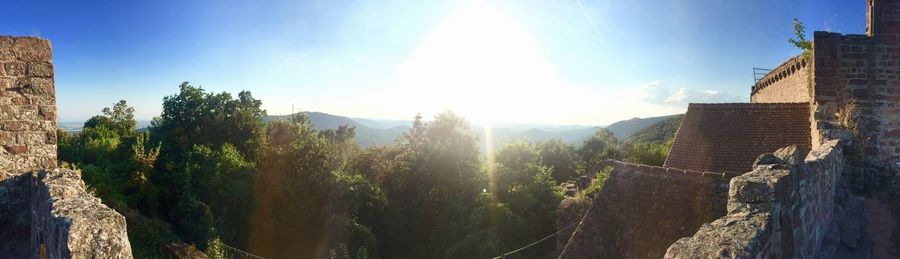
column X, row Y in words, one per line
column 788, row 83
column 27, row 106
column 27, row 133
column 642, row 209
column 774, row 211
column 68, row 222
column 862, row 69
column 43, row 208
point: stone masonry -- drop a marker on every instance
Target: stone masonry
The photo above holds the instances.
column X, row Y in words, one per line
column 784, row 207
column 781, row 209
column 27, row 106
column 862, row 69
column 787, row 83
column 642, row 209
column 44, row 210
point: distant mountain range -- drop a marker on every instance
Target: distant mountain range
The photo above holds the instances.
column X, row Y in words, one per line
column 370, row 132
column 75, row 126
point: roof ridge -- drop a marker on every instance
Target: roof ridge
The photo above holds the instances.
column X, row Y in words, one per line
column 720, row 106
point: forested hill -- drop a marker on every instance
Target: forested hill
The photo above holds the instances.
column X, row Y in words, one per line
column 659, row 132
column 626, row 128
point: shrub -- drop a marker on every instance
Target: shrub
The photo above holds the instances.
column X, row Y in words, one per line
column 597, row 182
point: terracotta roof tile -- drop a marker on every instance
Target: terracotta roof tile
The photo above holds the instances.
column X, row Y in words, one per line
column 729, row 136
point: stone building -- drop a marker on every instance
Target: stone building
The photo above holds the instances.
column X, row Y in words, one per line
column 759, row 179
column 44, row 211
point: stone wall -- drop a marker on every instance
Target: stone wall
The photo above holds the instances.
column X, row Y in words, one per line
column 27, row 106
column 781, row 209
column 787, row 83
column 70, row 223
column 27, row 133
column 862, row 69
column 43, row 208
column 642, row 209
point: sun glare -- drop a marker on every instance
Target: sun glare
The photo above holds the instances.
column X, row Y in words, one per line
column 481, row 63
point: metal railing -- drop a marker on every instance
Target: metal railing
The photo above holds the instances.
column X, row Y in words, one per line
column 230, row 252
column 759, row 73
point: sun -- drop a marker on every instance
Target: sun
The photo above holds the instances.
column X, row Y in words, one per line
column 480, row 63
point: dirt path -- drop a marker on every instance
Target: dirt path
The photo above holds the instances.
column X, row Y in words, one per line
column 880, row 224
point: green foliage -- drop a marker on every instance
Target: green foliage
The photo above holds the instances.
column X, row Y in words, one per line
column 205, row 167
column 520, row 210
column 210, row 173
column 658, row 133
column 303, row 188
column 648, row 153
column 195, row 117
column 115, row 160
column 431, row 187
column 597, row 182
column 147, row 236
column 561, row 158
column 600, row 146
column 799, row 40
column 650, row 146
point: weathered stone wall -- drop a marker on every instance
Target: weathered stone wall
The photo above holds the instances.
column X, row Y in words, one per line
column 70, row 223
column 27, row 106
column 27, row 133
column 781, row 209
column 41, row 207
column 569, row 212
column 862, row 69
column 15, row 216
column 642, row 209
column 788, row 83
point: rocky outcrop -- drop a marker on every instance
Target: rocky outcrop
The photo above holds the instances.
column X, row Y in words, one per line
column 68, row 222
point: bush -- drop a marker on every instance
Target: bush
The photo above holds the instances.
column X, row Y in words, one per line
column 597, row 182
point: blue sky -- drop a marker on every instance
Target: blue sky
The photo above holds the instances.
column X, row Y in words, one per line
column 565, row 62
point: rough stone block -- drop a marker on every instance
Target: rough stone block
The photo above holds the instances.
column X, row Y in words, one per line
column 758, row 186
column 15, row 149
column 39, row 69
column 14, row 68
column 67, row 218
column 36, row 86
column 14, row 125
column 32, row 49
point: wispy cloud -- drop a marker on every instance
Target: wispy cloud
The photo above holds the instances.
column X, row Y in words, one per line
column 655, row 92
column 589, row 20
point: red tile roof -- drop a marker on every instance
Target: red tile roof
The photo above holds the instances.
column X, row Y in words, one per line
column 728, row 137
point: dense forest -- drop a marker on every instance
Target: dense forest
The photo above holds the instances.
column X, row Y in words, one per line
column 209, row 172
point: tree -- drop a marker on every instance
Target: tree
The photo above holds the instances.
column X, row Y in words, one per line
column 600, row 146
column 205, row 167
column 115, row 161
column 648, row 153
column 310, row 204
column 799, row 39
column 560, row 158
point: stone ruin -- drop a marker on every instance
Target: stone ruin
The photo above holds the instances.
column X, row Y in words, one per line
column 45, row 212
column 760, row 179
